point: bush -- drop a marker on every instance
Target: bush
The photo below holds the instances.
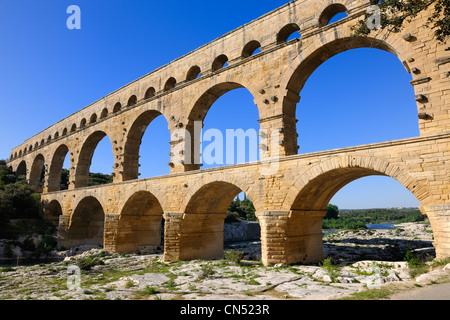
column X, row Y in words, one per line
column 232, row 217
column 87, row 263
column 206, row 272
column 343, row 223
column 18, row 201
column 234, row 256
column 332, row 270
column 47, row 244
column 8, row 252
column 28, row 245
column 149, row 291
column 413, row 260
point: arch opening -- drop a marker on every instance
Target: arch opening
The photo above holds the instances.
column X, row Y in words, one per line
column 37, row 174
column 117, row 107
column 288, row 32
column 202, row 226
column 102, row 161
column 352, row 112
column 93, row 118
column 149, row 93
column 132, row 101
column 52, row 212
column 170, row 84
column 58, row 178
column 310, row 207
column 86, row 224
column 219, row 63
column 332, row 13
column 104, row 113
column 151, row 130
column 193, row 73
column 250, row 49
column 227, row 137
column 21, row 171
column 140, row 227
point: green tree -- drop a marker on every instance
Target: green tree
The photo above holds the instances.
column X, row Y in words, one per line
column 242, row 209
column 64, row 185
column 7, row 176
column 96, row 179
column 394, row 14
column 332, row 212
column 25, row 202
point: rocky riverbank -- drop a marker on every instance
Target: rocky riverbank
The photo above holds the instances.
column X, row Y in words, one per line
column 358, row 260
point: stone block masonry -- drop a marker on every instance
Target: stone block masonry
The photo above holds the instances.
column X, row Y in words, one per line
column 190, row 204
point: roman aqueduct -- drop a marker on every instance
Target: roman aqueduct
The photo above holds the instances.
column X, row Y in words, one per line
column 290, row 202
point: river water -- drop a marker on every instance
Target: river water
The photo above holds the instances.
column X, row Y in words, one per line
column 374, row 226
column 381, row 226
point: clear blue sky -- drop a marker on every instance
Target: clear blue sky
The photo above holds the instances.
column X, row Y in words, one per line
column 49, row 72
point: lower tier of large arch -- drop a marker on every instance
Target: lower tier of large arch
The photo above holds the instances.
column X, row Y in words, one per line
column 184, row 213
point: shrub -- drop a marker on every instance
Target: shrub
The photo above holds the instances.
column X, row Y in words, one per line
column 47, row 244
column 8, row 252
column 7, row 269
column 232, row 217
column 234, row 256
column 28, row 245
column 87, row 263
column 343, row 223
column 206, row 271
column 332, row 270
column 149, row 291
column 413, row 260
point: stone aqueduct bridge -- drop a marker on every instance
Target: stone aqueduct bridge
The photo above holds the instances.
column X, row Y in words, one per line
column 291, row 201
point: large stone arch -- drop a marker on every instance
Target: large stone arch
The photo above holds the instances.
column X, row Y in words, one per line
column 133, row 142
column 53, row 211
column 314, row 51
column 202, row 224
column 139, row 225
column 318, row 52
column 199, row 108
column 86, row 226
column 81, row 178
column 21, row 170
column 35, row 172
column 231, row 183
column 316, row 187
column 307, row 199
column 55, row 168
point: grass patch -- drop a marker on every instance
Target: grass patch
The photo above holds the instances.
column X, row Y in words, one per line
column 440, row 263
column 87, row 263
column 148, row 291
column 371, row 294
column 332, row 270
column 207, row 271
column 415, row 264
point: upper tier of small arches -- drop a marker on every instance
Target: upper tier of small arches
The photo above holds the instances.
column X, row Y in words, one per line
column 253, row 47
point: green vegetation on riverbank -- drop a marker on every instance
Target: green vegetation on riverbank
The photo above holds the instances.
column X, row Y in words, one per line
column 355, row 219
